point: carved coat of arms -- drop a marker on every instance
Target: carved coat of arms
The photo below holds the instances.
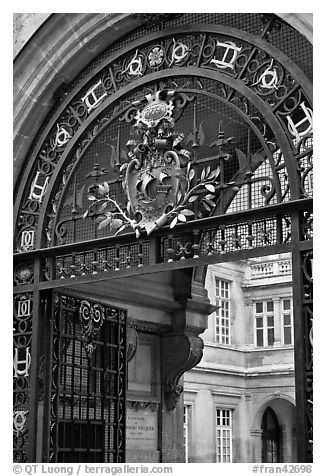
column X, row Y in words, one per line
column 159, row 179
column 153, row 175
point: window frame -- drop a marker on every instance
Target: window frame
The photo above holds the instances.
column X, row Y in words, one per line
column 224, row 429
column 187, row 412
column 265, row 314
column 186, row 430
column 278, row 326
column 219, row 299
column 283, row 314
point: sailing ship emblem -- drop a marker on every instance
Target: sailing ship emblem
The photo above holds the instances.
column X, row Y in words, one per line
column 152, row 184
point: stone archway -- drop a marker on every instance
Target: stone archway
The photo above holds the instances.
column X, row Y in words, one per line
column 284, row 409
column 82, row 37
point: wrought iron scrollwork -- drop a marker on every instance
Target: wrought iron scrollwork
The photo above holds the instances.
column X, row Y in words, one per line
column 24, row 273
column 307, row 225
column 307, row 316
column 23, row 312
column 132, row 340
column 267, row 76
column 91, row 317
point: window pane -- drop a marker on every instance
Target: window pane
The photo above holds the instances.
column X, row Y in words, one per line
column 260, row 338
column 286, row 304
column 270, row 321
column 270, row 306
column 217, row 287
column 259, row 307
column 259, row 322
column 270, row 336
column 287, row 335
column 287, row 319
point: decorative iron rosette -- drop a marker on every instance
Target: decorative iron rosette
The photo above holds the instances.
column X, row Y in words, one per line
column 91, row 318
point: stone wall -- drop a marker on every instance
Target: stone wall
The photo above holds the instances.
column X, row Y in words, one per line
column 24, row 26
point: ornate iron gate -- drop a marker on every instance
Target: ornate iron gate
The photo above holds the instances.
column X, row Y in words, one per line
column 239, row 76
column 87, row 382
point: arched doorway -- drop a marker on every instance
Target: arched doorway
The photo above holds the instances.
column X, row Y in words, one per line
column 274, row 430
column 215, row 79
column 271, row 437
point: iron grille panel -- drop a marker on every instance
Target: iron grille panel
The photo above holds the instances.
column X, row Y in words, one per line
column 115, row 257
column 288, row 40
column 258, row 194
column 240, row 236
column 250, row 22
column 212, row 113
column 295, row 46
column 88, row 387
column 23, row 315
column 72, row 229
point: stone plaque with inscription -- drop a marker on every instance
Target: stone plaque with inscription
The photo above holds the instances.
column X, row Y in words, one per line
column 141, row 429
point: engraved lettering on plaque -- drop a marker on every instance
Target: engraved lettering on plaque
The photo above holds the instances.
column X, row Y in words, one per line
column 141, row 429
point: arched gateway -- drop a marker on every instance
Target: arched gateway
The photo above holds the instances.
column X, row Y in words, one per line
column 167, row 142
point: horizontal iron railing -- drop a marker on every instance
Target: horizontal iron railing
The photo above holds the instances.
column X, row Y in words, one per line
column 188, row 244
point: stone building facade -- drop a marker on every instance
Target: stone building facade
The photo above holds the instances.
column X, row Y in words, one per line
column 242, row 372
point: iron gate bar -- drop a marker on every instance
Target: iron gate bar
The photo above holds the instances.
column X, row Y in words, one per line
column 299, row 359
column 200, row 224
column 47, row 374
column 34, row 372
column 302, row 347
column 156, row 262
column 156, row 268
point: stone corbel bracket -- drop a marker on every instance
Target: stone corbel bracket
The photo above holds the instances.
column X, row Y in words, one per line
column 181, row 351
